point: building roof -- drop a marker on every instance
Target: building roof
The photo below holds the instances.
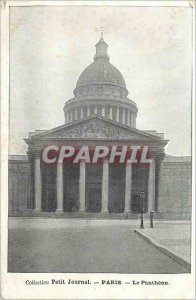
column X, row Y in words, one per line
column 18, row 157
column 176, row 159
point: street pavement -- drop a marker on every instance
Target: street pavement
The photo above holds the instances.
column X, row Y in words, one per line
column 100, row 246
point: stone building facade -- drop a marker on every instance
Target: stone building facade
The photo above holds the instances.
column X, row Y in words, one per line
column 100, row 114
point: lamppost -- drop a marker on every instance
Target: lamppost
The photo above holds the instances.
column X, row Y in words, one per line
column 151, row 219
column 142, row 209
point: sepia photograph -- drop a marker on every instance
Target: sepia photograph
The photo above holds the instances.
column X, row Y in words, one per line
column 100, row 146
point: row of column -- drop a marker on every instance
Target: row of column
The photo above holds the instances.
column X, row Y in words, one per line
column 82, row 187
column 78, row 114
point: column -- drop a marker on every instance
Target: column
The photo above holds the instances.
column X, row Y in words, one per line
column 82, row 188
column 134, row 120
column 151, row 186
column 128, row 118
column 110, row 113
column 38, row 185
column 67, row 117
column 123, row 116
column 117, row 115
column 71, row 116
column 76, row 114
column 103, row 111
column 59, row 187
column 95, row 110
column 128, row 186
column 105, row 185
column 88, row 111
column 131, row 119
column 81, row 113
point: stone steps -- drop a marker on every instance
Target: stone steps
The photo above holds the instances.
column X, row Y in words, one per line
column 85, row 215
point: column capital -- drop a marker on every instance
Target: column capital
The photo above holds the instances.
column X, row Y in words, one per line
column 153, row 154
column 37, row 154
column 157, row 154
column 30, row 155
column 160, row 156
column 82, row 161
column 105, row 160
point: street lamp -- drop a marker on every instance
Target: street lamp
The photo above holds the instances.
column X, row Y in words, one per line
column 142, row 209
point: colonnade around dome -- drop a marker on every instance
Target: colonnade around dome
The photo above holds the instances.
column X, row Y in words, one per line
column 118, row 114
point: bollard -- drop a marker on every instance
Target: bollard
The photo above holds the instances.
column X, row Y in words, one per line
column 142, row 221
column 151, row 219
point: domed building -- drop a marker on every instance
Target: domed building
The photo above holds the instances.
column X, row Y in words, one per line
column 99, row 116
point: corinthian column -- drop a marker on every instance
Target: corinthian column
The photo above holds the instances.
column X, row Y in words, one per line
column 82, row 187
column 128, row 185
column 38, row 185
column 59, row 187
column 105, row 185
column 151, row 186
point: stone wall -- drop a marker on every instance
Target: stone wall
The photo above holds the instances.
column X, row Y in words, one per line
column 174, row 195
column 18, row 183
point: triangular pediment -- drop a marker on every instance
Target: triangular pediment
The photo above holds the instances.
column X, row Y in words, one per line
column 95, row 127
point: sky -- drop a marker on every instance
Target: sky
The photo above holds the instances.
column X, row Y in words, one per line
column 151, row 46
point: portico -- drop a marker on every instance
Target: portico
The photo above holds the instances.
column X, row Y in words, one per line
column 103, row 187
column 89, row 192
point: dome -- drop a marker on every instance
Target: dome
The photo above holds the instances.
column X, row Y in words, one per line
column 99, row 72
column 101, row 91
